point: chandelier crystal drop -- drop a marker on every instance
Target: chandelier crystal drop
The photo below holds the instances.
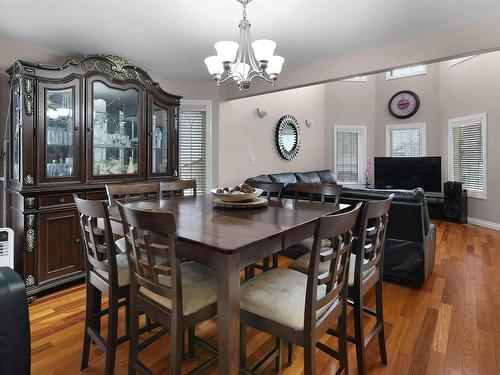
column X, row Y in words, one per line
column 245, row 61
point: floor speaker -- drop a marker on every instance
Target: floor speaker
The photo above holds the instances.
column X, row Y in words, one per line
column 455, row 202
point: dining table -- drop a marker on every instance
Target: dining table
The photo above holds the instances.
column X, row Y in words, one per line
column 227, row 239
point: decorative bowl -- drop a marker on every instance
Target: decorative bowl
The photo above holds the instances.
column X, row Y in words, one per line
column 237, row 197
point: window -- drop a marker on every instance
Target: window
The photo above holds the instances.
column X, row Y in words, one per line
column 405, row 140
column 459, row 60
column 407, row 71
column 194, row 163
column 356, row 79
column 467, row 153
column 350, row 153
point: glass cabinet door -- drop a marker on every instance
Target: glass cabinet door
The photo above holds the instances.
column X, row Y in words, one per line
column 160, row 139
column 115, row 131
column 60, row 150
column 16, row 111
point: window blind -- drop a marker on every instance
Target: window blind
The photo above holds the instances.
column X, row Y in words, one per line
column 192, row 147
column 468, row 155
column 406, row 142
column 347, row 156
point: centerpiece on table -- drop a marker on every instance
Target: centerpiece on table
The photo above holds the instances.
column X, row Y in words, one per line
column 240, row 196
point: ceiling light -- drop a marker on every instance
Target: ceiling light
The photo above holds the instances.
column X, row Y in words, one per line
column 245, row 61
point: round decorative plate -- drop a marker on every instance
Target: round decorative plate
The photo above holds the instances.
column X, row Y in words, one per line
column 404, row 104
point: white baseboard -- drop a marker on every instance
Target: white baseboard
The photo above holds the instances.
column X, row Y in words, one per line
column 484, row 223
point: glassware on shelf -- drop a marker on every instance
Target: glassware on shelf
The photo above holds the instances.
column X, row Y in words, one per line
column 59, row 133
column 115, row 141
column 160, row 137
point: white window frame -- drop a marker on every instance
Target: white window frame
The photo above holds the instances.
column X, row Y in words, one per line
column 460, row 122
column 356, row 79
column 422, row 126
column 362, row 146
column 204, row 105
column 389, row 74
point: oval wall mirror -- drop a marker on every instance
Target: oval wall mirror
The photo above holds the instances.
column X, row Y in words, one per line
column 287, row 137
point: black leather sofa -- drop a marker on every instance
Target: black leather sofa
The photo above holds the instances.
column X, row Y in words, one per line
column 410, row 244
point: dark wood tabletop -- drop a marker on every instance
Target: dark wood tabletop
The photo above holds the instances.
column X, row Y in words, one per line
column 228, row 230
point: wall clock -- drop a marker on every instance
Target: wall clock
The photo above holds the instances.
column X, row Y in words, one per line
column 404, row 104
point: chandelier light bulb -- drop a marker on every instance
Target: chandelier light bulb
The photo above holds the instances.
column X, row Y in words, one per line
column 274, row 65
column 214, row 65
column 226, row 50
column 263, row 49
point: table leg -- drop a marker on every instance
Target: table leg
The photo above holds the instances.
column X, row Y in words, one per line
column 228, row 313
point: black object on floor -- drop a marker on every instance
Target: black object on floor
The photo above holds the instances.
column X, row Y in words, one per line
column 15, row 342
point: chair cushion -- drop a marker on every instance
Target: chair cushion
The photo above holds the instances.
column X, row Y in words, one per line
column 302, row 265
column 279, row 295
column 285, row 178
column 308, row 177
column 303, row 247
column 199, row 288
column 122, row 265
column 352, row 266
column 327, row 177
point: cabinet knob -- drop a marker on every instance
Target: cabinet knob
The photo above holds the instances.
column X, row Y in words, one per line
column 77, row 240
column 61, row 200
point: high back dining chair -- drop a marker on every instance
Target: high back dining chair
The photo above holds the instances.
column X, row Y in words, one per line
column 312, row 192
column 171, row 188
column 272, row 190
column 106, row 273
column 176, row 295
column 300, row 308
column 318, row 190
column 366, row 270
column 131, row 192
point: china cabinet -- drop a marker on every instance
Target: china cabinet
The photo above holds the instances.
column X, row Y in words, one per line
column 75, row 127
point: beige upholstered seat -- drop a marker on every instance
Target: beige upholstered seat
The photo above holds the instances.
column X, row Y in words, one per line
column 279, row 295
column 121, row 247
column 199, row 288
column 302, row 265
column 122, row 265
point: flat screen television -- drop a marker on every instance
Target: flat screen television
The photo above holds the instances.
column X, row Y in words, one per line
column 408, row 173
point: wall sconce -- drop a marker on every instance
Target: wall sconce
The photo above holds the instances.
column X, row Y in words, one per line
column 309, row 123
column 262, row 112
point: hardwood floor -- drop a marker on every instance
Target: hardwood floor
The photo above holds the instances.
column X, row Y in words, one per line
column 451, row 325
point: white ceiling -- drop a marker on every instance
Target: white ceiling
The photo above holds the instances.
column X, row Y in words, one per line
column 171, row 38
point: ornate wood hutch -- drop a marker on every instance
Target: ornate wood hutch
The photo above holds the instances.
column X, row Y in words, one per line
column 74, row 128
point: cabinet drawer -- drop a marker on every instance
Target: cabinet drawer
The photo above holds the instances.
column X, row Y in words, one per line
column 57, row 199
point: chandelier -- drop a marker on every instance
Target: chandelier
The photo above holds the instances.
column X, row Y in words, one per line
column 245, row 61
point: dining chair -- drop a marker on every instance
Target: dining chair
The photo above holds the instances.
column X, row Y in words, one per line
column 176, row 295
column 272, row 190
column 177, row 187
column 129, row 193
column 132, row 192
column 300, row 308
column 106, row 273
column 365, row 273
column 323, row 193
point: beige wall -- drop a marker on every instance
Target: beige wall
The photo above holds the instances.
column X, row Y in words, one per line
column 243, row 135
column 349, row 103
